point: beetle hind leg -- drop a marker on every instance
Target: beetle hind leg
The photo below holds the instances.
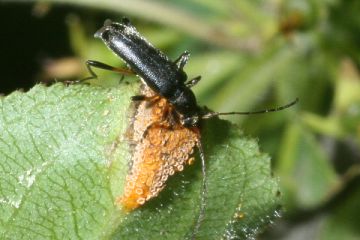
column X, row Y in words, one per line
column 90, row 64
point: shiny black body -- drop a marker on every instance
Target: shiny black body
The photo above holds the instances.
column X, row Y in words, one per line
column 165, row 77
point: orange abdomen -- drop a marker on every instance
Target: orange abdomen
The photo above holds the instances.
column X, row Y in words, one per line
column 162, row 148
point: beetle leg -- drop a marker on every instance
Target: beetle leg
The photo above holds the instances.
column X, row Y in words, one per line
column 90, row 64
column 138, row 98
column 182, row 59
column 97, row 64
column 150, row 99
column 193, row 82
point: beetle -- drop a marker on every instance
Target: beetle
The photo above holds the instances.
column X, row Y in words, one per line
column 164, row 77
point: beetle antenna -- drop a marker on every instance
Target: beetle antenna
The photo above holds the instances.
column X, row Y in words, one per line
column 203, row 191
column 213, row 114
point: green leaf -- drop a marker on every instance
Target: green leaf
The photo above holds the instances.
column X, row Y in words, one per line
column 63, row 161
column 56, row 162
column 343, row 221
column 306, row 174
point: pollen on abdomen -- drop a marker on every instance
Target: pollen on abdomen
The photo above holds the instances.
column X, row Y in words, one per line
column 162, row 147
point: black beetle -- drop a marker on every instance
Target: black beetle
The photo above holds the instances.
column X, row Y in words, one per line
column 165, row 77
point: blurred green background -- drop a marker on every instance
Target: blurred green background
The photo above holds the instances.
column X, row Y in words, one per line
column 252, row 55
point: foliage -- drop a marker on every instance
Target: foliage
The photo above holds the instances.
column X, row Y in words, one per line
column 64, row 161
column 257, row 54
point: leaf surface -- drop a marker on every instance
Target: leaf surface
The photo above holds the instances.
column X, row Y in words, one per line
column 64, row 158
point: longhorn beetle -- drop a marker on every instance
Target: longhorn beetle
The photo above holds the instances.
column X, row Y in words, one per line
column 164, row 77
